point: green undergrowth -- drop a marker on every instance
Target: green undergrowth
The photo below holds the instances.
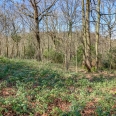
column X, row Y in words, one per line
column 28, row 87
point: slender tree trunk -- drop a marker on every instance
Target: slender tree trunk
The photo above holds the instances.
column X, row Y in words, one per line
column 68, row 47
column 37, row 34
column 97, row 33
column 66, row 58
column 76, row 59
column 24, row 51
column 70, row 39
column 12, row 53
column 0, row 47
column 17, row 49
column 39, row 47
column 86, row 35
column 7, row 50
column 88, row 52
column 83, row 32
column 110, row 35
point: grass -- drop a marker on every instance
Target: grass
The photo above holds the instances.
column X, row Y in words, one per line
column 31, row 88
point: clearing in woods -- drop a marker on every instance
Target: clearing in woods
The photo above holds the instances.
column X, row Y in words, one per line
column 29, row 88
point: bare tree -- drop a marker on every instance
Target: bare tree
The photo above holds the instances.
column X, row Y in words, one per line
column 97, row 32
column 35, row 10
column 109, row 20
column 70, row 9
column 86, row 34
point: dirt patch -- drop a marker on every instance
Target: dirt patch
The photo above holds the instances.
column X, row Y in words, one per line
column 113, row 110
column 59, row 103
column 63, row 105
column 104, row 74
column 8, row 92
column 89, row 89
column 90, row 108
column 7, row 111
column 113, row 91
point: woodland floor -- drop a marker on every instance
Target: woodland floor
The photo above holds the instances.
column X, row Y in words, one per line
column 29, row 88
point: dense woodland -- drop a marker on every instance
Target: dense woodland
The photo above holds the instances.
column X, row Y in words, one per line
column 57, row 57
column 75, row 32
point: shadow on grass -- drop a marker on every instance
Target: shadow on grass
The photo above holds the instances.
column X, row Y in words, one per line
column 45, row 77
column 102, row 78
column 13, row 71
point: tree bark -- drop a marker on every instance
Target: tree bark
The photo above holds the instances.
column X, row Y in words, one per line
column 97, row 33
column 88, row 50
column 83, row 32
column 86, row 35
column 37, row 35
column 7, row 50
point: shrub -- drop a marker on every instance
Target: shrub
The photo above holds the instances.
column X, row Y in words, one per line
column 110, row 60
column 30, row 51
column 54, row 56
column 79, row 56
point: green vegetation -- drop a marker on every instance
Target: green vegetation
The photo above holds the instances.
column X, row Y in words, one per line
column 29, row 52
column 29, row 88
column 54, row 56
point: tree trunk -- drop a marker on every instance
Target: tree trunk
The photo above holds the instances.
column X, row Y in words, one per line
column 83, row 32
column 68, row 47
column 37, row 35
column 12, row 53
column 66, row 59
column 86, row 35
column 17, row 55
column 70, row 39
column 24, row 51
column 39, row 47
column 97, row 33
column 0, row 47
column 7, row 50
column 110, row 35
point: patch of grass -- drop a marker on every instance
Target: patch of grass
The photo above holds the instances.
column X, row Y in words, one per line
column 44, row 88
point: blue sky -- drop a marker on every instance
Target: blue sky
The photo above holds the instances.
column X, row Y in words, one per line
column 64, row 25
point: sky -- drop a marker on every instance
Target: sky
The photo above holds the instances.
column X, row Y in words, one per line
column 105, row 10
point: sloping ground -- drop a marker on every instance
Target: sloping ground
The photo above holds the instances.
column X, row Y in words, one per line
column 29, row 88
